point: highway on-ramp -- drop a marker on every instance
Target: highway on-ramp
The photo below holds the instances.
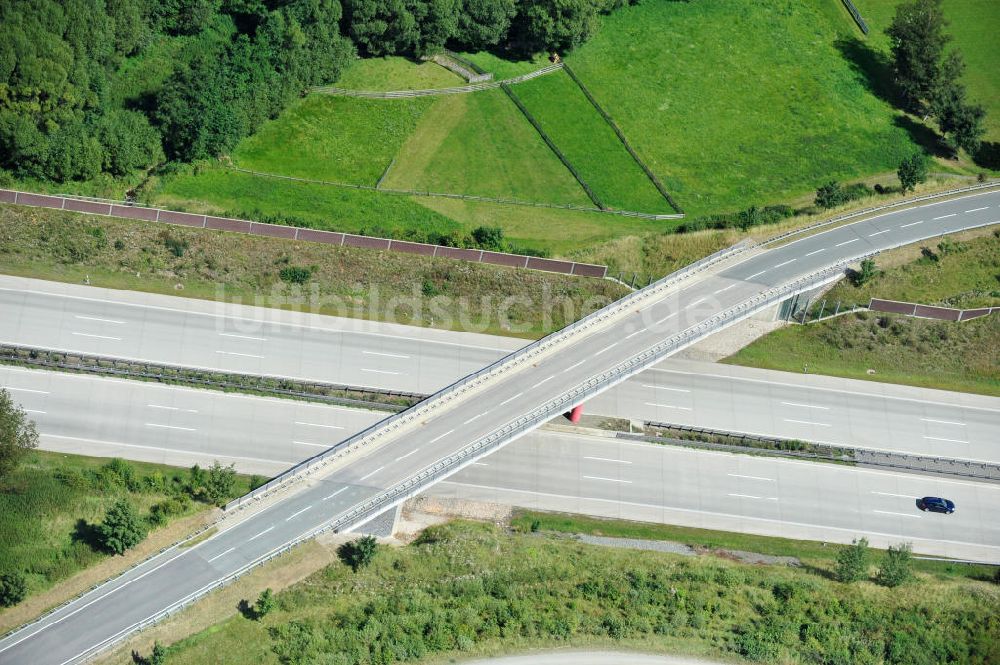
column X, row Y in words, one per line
column 483, row 413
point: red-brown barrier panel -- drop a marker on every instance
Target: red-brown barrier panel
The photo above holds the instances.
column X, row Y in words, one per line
column 183, row 218
column 88, row 206
column 976, row 313
column 226, row 224
column 589, row 270
column 459, row 253
column 942, row 313
column 328, row 237
column 411, row 247
column 890, row 306
column 40, row 200
column 7, row 196
column 129, row 212
column 499, row 259
column 273, row 230
column 366, row 242
column 551, row 265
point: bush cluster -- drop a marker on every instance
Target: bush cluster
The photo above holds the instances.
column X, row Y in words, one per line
column 743, row 220
column 834, row 194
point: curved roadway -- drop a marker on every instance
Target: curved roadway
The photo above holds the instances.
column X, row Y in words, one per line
column 104, row 615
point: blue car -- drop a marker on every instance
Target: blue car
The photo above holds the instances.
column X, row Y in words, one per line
column 936, row 505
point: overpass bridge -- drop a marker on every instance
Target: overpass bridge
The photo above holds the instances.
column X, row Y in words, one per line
column 360, row 478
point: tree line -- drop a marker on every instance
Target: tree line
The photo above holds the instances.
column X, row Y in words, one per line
column 229, row 65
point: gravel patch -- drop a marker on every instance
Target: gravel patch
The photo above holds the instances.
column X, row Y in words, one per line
column 672, row 547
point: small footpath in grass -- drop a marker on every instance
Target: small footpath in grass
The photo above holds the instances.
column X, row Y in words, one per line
column 465, row 589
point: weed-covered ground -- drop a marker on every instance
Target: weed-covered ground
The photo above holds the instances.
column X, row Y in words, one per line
column 961, row 356
column 465, row 589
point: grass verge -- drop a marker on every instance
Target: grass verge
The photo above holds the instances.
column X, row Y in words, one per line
column 360, row 283
column 466, row 589
column 396, row 73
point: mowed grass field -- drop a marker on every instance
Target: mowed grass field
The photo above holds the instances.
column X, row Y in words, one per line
column 395, row 73
column 481, row 144
column 740, row 103
column 339, row 139
column 579, row 131
column 975, row 30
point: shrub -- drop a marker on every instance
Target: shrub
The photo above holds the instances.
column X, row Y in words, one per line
column 852, row 561
column 256, row 481
column 912, row 171
column 295, row 274
column 358, row 553
column 176, row 246
column 13, row 589
column 220, row 482
column 265, row 603
column 896, row 566
column 122, row 528
column 861, row 277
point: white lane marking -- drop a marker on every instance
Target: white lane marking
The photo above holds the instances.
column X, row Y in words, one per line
column 574, row 366
column 676, row 390
column 367, row 476
column 816, row 252
column 297, row 513
column 739, row 475
column 94, row 318
column 904, row 226
column 34, row 411
column 270, row 528
column 299, row 422
column 114, row 339
column 314, row 445
column 806, row 406
column 221, row 555
column 606, row 348
column 480, row 464
column 807, row 422
column 943, row 422
column 945, row 216
column 846, row 242
column 902, row 496
column 171, row 408
column 697, row 302
column 607, row 459
column 379, row 371
column 441, row 436
column 330, row 496
column 757, row 274
column 668, row 316
column 510, row 399
column 889, row 512
column 387, row 355
column 759, row 498
column 976, row 209
column 544, row 380
column 879, row 233
column 610, row 480
column 631, row 335
column 169, row 450
column 184, row 429
column 785, row 263
column 474, row 417
column 668, row 406
column 244, row 355
column 27, row 390
column 256, row 339
column 412, row 452
column 938, row 438
column 731, row 286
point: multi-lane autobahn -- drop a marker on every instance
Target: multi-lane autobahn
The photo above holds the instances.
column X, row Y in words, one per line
column 494, row 409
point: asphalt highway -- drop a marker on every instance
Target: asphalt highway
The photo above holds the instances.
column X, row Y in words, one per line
column 102, row 616
column 146, row 421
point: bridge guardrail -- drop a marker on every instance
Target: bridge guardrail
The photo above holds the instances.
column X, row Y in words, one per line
column 449, row 392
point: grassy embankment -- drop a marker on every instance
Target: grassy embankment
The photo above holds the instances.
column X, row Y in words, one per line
column 50, row 504
column 464, row 589
column 122, row 254
column 934, row 354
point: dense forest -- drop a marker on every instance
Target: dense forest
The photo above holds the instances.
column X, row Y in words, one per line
column 222, row 67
